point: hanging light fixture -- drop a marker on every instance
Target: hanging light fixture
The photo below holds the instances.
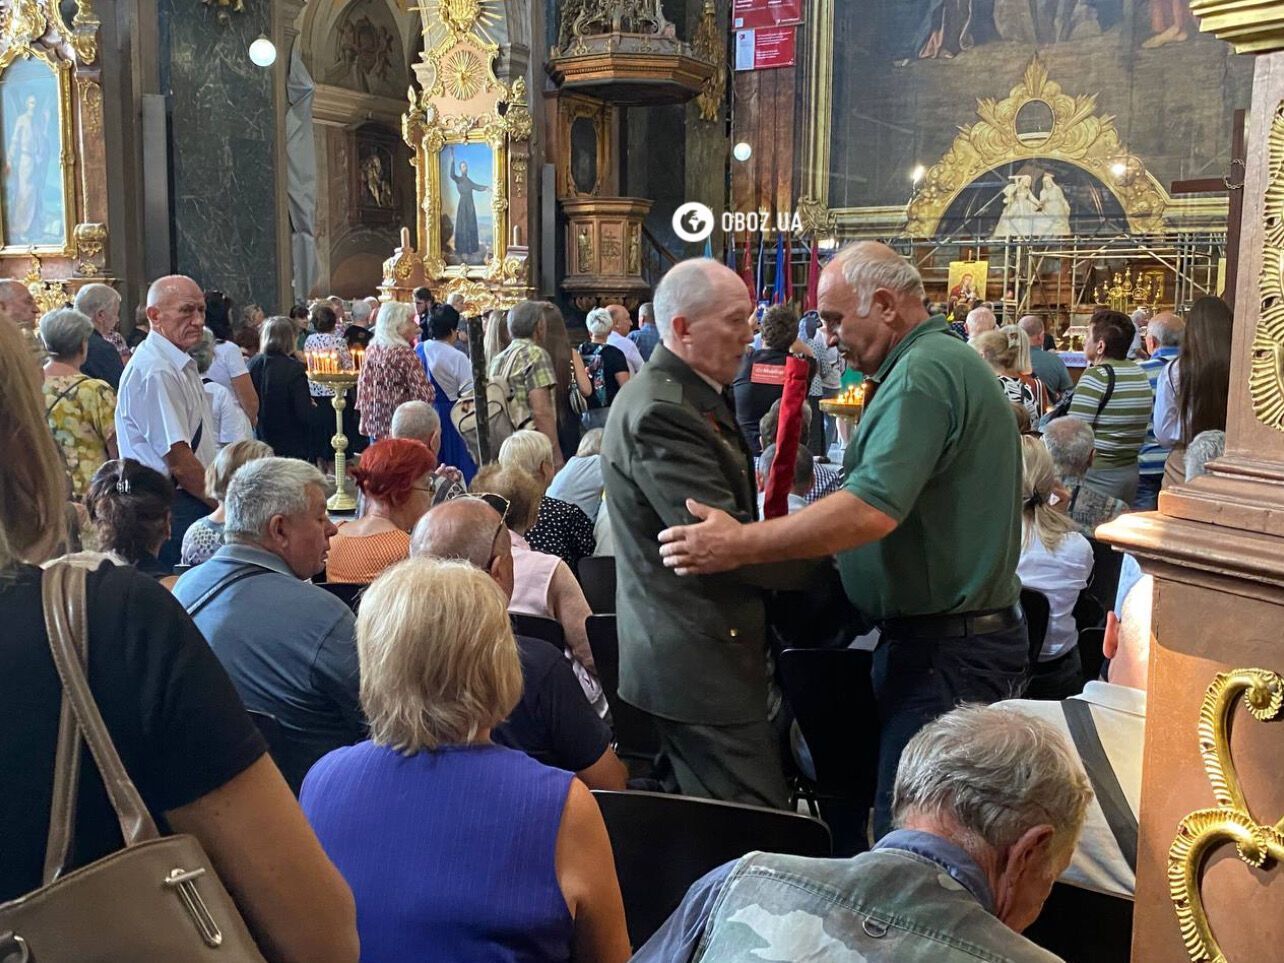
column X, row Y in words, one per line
column 263, row 52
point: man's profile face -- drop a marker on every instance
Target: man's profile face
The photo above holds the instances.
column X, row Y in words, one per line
column 179, row 313
column 18, row 301
column 620, row 319
column 304, row 540
column 716, row 338
column 421, row 305
column 862, row 339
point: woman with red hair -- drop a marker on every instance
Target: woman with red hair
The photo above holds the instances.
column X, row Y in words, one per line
column 395, row 476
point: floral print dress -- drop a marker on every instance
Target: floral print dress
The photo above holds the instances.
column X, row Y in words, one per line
column 390, row 375
column 81, row 412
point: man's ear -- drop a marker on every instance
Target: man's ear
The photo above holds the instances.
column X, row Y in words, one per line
column 276, row 528
column 884, row 305
column 680, row 326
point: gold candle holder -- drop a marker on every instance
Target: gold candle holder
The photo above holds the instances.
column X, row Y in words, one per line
column 325, row 368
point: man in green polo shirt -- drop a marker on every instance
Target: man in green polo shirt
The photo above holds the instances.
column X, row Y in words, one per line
column 927, row 527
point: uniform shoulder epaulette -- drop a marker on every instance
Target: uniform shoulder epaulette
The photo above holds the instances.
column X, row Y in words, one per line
column 667, row 389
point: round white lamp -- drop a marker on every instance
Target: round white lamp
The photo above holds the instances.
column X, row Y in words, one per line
column 263, row 52
column 742, row 152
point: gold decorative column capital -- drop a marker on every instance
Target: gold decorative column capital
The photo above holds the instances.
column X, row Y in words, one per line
column 1250, row 26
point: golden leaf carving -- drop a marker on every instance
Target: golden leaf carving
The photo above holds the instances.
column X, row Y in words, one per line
column 1266, row 378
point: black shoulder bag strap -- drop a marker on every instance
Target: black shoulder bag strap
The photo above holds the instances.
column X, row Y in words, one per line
column 65, row 393
column 246, row 570
column 1119, row 815
column 1105, row 397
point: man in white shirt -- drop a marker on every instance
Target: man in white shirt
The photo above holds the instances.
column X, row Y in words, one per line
column 620, row 337
column 162, row 416
column 1118, row 712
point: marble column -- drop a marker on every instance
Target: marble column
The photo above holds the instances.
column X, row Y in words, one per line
column 1216, row 549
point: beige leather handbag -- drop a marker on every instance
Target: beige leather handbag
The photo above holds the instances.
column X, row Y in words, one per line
column 158, row 899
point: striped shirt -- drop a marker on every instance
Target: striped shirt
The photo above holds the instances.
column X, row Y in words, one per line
column 1152, row 457
column 1121, row 428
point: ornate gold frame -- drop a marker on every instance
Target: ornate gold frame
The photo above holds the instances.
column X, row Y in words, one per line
column 570, row 108
column 62, row 70
column 1232, row 821
column 1266, row 378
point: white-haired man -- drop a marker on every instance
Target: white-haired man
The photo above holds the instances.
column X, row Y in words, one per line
column 100, row 303
column 693, row 652
column 620, row 337
column 1107, row 725
column 163, row 417
column 16, row 302
column 1072, row 445
column 419, row 421
column 979, row 321
column 553, row 723
column 288, row 646
column 936, row 435
column 1163, row 340
column 989, row 803
column 1048, row 368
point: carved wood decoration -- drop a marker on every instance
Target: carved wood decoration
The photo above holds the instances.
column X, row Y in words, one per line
column 584, row 149
column 604, row 251
column 1266, row 384
column 53, row 197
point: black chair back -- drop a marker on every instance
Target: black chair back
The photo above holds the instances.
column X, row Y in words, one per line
column 663, row 844
column 1088, row 612
column 1078, row 924
column 832, row 697
column 635, row 735
column 537, row 627
column 349, row 593
column 597, row 578
column 284, row 752
column 1091, row 653
column 1106, row 562
column 1037, row 612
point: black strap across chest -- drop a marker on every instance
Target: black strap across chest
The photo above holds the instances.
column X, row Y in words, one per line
column 1105, row 783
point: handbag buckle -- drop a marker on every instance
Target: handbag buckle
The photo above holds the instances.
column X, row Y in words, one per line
column 13, row 948
column 183, row 882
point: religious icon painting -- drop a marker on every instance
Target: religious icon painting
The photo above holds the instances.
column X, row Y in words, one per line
column 967, row 281
column 34, row 189
column 467, row 179
column 373, row 188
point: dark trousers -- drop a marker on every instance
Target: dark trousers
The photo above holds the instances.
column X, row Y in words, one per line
column 1147, row 497
column 734, row 763
column 815, row 440
column 187, row 509
column 917, row 680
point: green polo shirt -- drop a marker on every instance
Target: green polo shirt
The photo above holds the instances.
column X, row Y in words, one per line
column 938, row 451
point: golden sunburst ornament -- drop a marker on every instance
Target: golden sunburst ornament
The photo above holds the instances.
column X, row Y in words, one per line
column 462, row 74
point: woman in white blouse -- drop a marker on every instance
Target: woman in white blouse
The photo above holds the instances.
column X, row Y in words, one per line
column 1056, row 561
column 228, row 367
column 450, row 372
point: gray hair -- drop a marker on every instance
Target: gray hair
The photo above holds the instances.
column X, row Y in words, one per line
column 360, row 312
column 93, row 298
column 203, row 351
column 684, row 290
column 1070, row 442
column 65, row 331
column 1202, row 449
column 457, row 300
column 599, row 321
column 278, row 334
column 524, row 319
column 417, row 420
column 1167, row 329
column 980, row 320
column 264, row 488
column 804, row 466
column 646, row 313
column 391, row 317
column 995, row 772
column 1033, row 327
column 865, row 272
column 591, row 443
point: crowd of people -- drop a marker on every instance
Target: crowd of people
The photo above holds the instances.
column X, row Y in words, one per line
column 354, row 701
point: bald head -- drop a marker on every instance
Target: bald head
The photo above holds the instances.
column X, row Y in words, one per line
column 17, row 302
column 471, row 531
column 1129, row 649
column 620, row 319
column 1165, row 330
column 1032, row 325
column 702, row 309
column 176, row 309
column 979, row 321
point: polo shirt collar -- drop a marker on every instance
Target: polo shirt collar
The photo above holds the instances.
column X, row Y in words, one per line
column 1121, row 698
column 1166, row 352
column 169, row 351
column 930, row 326
column 252, row 554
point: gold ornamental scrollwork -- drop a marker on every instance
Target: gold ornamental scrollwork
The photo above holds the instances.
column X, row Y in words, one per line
column 1266, row 378
column 1079, row 136
column 817, row 220
column 24, row 22
column 1250, row 26
column 1231, row 821
column 709, row 44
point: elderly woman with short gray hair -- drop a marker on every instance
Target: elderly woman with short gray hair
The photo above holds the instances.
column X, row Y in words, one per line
column 230, row 421
column 81, row 410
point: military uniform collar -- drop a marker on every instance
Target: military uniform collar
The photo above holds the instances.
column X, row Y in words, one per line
column 699, row 389
column 930, row 326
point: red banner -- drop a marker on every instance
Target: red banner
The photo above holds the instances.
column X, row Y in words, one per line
column 748, row 14
column 765, row 48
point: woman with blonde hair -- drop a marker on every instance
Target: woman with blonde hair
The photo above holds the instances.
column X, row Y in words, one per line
column 204, row 536
column 562, row 529
column 199, row 763
column 1056, row 561
column 457, row 848
column 391, row 373
column 1007, row 351
column 495, row 336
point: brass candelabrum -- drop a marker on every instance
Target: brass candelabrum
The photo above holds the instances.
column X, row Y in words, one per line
column 327, row 368
column 1124, row 290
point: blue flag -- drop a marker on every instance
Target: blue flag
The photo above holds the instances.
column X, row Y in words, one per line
column 762, row 245
column 708, row 246
column 778, row 293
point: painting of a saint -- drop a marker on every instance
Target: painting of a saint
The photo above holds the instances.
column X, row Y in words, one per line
column 465, row 168
column 33, row 187
column 1170, row 22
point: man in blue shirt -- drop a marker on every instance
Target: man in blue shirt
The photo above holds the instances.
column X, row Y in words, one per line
column 952, row 884
column 1163, row 341
column 647, row 336
column 1048, row 368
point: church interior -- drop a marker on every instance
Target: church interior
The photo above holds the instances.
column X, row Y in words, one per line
column 548, row 207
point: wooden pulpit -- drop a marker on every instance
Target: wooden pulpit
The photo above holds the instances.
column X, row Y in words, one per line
column 1210, row 885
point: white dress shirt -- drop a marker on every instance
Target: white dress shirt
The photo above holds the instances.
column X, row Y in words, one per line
column 228, row 363
column 451, row 369
column 1167, row 419
column 162, row 402
column 230, row 422
column 631, row 353
column 1120, row 716
column 1060, row 575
